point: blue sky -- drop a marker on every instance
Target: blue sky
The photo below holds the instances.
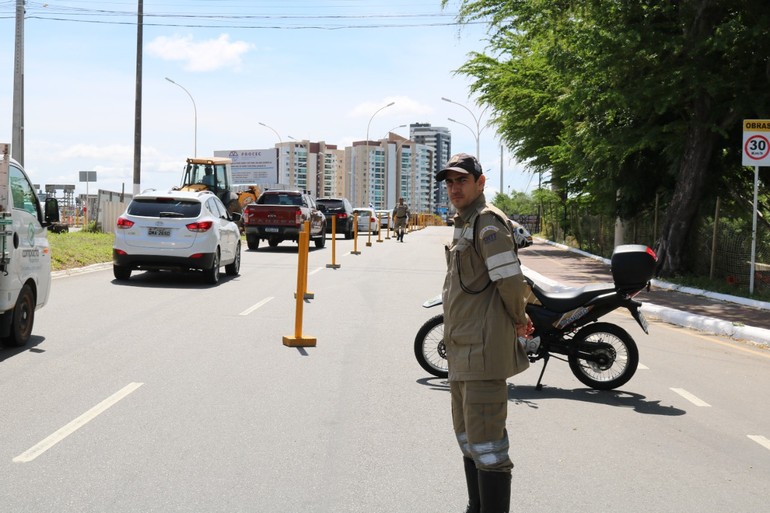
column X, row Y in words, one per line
column 309, row 69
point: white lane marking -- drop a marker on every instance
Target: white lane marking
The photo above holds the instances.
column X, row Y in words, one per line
column 314, row 271
column 642, row 366
column 63, row 432
column 761, row 440
column 260, row 304
column 687, row 395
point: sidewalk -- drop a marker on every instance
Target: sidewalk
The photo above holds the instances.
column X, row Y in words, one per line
column 735, row 317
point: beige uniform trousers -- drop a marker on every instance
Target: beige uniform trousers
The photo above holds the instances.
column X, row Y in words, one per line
column 479, row 413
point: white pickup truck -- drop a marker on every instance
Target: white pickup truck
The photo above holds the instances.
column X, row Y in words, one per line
column 25, row 256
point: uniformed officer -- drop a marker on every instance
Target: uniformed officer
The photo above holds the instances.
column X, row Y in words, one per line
column 484, row 300
column 401, row 215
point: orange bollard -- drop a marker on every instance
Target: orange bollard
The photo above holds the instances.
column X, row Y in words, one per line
column 305, row 293
column 334, row 264
column 355, row 235
column 369, row 233
column 298, row 340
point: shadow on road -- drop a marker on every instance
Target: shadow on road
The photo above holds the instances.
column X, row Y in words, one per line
column 529, row 396
column 34, row 341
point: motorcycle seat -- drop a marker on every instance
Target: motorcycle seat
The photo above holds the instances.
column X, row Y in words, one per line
column 570, row 299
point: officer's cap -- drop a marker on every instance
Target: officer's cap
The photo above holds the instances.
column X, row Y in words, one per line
column 462, row 163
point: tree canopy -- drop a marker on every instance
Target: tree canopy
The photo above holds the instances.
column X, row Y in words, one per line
column 621, row 100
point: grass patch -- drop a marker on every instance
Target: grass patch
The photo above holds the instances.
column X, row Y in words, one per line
column 79, row 249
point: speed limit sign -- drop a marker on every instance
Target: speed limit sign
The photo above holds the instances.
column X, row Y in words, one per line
column 756, row 142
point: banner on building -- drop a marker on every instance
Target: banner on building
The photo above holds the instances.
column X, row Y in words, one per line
column 252, row 167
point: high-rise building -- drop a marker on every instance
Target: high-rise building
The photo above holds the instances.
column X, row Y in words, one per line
column 385, row 170
column 316, row 167
column 440, row 140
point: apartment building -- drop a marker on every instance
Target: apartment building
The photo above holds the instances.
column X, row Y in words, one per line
column 316, row 167
column 440, row 140
column 382, row 171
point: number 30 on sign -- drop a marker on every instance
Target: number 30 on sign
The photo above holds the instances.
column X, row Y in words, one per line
column 756, row 142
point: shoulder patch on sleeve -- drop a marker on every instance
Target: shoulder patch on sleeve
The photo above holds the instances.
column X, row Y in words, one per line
column 488, row 233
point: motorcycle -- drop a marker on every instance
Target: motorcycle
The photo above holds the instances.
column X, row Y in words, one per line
column 566, row 324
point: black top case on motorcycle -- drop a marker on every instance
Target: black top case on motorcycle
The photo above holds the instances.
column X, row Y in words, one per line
column 633, row 266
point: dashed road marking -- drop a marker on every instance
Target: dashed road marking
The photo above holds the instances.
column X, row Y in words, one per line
column 690, row 397
column 315, row 271
column 642, row 366
column 258, row 305
column 63, row 432
column 761, row 440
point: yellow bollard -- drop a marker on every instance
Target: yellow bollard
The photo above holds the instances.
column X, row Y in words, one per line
column 355, row 235
column 305, row 293
column 298, row 340
column 387, row 233
column 379, row 228
column 334, row 264
column 369, row 233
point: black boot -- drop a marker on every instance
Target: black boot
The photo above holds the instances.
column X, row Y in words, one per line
column 472, row 481
column 495, row 491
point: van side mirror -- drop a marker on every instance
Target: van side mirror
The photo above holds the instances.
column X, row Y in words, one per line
column 51, row 211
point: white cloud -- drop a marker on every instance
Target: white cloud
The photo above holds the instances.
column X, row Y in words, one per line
column 208, row 55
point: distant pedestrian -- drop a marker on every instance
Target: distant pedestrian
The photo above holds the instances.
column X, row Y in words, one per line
column 484, row 302
column 401, row 217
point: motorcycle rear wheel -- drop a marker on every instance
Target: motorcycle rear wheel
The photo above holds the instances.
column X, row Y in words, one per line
column 429, row 348
column 605, row 356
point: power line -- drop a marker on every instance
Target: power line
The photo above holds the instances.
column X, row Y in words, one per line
column 222, row 20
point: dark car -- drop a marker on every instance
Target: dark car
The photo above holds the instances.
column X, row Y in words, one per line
column 342, row 210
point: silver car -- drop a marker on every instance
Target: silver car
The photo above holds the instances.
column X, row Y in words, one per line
column 177, row 231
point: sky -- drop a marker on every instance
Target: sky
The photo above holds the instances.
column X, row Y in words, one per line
column 309, row 69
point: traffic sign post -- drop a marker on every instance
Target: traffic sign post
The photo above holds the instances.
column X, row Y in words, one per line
column 756, row 152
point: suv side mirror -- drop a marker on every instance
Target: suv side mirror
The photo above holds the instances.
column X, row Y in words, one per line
column 51, row 211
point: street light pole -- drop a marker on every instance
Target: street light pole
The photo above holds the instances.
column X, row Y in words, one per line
column 367, row 132
column 273, row 129
column 394, row 128
column 195, row 112
column 475, row 135
column 476, row 119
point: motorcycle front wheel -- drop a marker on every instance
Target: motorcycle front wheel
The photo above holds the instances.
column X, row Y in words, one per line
column 429, row 348
column 605, row 356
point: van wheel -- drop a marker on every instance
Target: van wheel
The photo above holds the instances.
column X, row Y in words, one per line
column 23, row 318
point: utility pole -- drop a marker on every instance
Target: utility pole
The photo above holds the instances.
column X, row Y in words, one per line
column 138, row 103
column 17, row 131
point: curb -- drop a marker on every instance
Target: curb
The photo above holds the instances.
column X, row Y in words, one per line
column 680, row 318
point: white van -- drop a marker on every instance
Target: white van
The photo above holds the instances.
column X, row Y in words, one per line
column 25, row 256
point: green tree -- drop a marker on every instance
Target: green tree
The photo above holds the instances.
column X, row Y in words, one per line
column 619, row 100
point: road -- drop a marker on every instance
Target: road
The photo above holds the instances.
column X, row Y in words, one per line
column 165, row 394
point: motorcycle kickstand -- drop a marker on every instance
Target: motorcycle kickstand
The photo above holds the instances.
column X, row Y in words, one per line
column 539, row 385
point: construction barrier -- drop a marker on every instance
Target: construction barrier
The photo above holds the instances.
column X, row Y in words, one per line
column 334, row 264
column 302, row 260
column 355, row 235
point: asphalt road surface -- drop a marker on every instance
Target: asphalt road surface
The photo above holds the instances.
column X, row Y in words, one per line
column 164, row 394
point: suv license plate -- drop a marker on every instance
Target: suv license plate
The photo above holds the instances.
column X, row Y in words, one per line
column 159, row 232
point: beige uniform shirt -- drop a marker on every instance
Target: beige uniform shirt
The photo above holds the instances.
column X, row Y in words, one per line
column 400, row 215
column 484, row 296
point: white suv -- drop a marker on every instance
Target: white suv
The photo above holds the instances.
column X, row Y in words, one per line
column 177, row 231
